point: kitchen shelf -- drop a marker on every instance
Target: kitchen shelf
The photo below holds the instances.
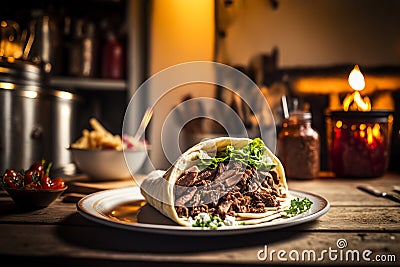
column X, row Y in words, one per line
column 87, row 83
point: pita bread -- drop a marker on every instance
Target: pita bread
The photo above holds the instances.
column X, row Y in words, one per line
column 159, row 187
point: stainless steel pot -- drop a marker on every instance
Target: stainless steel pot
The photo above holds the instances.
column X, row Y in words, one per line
column 35, row 122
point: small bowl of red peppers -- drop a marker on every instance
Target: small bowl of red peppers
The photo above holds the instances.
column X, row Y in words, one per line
column 33, row 188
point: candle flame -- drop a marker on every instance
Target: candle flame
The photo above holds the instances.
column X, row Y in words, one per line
column 356, row 79
column 354, row 101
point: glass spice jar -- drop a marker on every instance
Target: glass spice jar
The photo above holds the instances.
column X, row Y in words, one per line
column 299, row 146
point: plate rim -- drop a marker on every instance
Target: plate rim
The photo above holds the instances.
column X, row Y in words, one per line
column 182, row 230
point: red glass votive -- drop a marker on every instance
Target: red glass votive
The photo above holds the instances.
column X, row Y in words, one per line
column 359, row 142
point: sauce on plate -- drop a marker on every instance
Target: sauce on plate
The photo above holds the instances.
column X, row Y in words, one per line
column 126, row 212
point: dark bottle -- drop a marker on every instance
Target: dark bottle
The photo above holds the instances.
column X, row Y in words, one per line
column 113, row 58
column 89, row 50
column 83, row 49
column 75, row 49
column 66, row 39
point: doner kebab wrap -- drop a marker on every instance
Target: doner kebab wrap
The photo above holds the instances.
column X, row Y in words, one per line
column 223, row 177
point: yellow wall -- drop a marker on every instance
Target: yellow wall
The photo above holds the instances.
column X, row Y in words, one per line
column 181, row 31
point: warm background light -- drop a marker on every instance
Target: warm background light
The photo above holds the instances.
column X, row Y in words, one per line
column 181, row 31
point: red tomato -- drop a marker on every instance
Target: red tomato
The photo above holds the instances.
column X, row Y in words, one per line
column 30, row 176
column 11, row 178
column 37, row 166
column 45, row 182
column 58, row 183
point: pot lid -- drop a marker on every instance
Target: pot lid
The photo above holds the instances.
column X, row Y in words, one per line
column 19, row 71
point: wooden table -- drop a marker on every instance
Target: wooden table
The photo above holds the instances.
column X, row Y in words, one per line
column 60, row 236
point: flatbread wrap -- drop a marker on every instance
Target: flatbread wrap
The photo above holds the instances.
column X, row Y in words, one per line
column 223, row 177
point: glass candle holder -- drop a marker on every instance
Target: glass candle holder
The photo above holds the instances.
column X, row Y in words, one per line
column 359, row 142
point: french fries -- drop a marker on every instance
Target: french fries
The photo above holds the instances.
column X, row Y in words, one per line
column 98, row 138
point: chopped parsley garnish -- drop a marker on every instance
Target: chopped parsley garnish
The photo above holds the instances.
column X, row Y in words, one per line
column 204, row 220
column 250, row 155
column 212, row 223
column 298, row 206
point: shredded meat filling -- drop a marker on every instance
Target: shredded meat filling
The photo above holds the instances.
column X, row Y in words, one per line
column 228, row 189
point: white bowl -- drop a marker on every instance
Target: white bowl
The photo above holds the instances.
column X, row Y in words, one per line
column 103, row 164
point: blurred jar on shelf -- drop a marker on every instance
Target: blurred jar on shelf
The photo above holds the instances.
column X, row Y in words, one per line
column 44, row 48
column 82, row 49
column 299, row 146
column 113, row 57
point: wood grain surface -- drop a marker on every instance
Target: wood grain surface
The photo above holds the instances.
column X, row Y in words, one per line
column 59, row 235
